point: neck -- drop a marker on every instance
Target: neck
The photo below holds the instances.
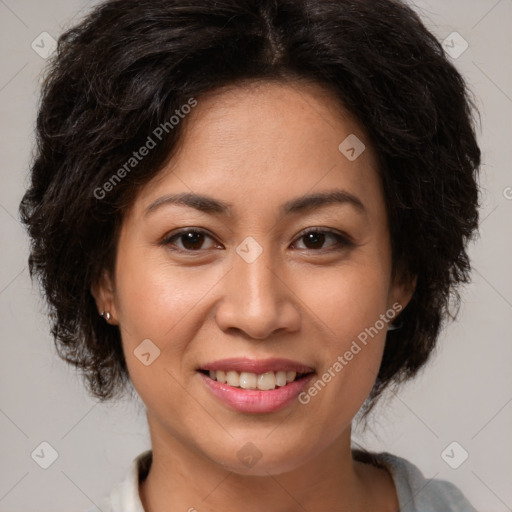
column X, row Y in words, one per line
column 182, row 478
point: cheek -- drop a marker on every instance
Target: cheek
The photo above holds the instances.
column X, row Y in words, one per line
column 161, row 301
column 346, row 305
column 346, row 299
column 149, row 292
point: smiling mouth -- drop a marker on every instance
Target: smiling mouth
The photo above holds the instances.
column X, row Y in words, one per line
column 248, row 380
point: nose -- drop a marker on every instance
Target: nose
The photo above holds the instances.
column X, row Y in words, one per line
column 257, row 300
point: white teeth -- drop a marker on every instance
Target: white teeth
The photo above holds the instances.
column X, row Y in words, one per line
column 267, row 381
column 218, row 375
column 233, row 379
column 281, row 378
column 246, row 380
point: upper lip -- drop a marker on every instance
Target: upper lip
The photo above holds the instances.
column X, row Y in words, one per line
column 243, row 364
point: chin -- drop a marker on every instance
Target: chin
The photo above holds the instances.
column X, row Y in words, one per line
column 262, row 461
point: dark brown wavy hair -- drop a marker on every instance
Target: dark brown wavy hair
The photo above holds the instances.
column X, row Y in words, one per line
column 131, row 64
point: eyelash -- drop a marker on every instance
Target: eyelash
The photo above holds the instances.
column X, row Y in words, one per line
column 342, row 242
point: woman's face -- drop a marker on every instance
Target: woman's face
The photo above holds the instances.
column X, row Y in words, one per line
column 247, row 279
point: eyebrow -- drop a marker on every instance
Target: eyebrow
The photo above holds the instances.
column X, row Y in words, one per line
column 213, row 206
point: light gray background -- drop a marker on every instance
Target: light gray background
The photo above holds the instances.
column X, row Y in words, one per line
column 464, row 395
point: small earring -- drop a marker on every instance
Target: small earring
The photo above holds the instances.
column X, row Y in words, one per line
column 105, row 315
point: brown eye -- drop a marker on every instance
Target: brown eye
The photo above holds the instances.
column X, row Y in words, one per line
column 191, row 240
column 315, row 240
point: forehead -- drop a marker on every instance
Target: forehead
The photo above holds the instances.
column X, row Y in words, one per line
column 268, row 140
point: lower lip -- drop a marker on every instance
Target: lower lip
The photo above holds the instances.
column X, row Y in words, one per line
column 250, row 400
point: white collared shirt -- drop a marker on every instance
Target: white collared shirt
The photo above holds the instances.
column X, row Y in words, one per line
column 415, row 492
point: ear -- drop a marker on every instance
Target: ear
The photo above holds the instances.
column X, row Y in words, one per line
column 402, row 291
column 103, row 292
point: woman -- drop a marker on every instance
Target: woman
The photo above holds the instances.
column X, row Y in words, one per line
column 256, row 213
